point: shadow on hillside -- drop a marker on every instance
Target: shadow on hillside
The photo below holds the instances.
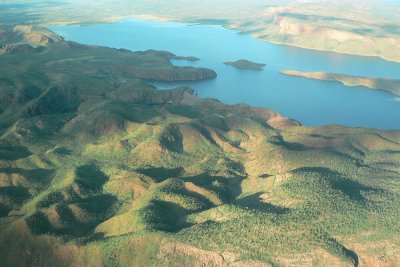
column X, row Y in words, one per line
column 228, row 189
column 172, row 140
column 352, row 189
column 321, row 136
column 336, row 248
column 89, row 177
column 4, row 210
column 62, row 151
column 165, row 216
column 12, row 197
column 161, row 174
column 35, row 176
column 255, row 202
column 205, row 133
column 185, row 111
column 279, row 141
column 14, row 153
column 91, row 212
column 77, row 209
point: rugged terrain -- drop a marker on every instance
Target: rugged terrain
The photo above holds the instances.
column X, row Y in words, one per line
column 97, row 167
column 22, row 38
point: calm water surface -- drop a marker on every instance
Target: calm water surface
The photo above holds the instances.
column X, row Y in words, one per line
column 309, row 101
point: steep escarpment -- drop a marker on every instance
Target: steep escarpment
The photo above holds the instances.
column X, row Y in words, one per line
column 344, row 27
column 34, row 35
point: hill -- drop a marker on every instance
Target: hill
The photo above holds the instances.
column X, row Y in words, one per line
column 97, row 167
column 25, row 38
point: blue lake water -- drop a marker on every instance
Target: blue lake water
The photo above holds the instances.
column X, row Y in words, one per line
column 311, row 102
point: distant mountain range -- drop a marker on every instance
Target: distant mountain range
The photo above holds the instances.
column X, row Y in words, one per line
column 368, row 28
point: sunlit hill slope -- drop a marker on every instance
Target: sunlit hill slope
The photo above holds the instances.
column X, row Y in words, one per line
column 97, row 167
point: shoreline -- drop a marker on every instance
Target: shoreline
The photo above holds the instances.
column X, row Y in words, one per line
column 291, row 116
column 238, row 30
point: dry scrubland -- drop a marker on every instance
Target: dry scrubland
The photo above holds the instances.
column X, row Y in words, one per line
column 99, row 168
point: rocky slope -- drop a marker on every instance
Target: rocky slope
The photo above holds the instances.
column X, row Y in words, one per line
column 342, row 27
column 24, row 38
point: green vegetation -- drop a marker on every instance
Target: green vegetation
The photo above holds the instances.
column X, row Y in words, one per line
column 97, row 167
column 245, row 64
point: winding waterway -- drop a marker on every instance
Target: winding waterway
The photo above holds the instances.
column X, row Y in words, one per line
column 311, row 102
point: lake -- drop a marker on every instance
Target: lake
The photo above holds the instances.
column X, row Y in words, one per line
column 311, row 102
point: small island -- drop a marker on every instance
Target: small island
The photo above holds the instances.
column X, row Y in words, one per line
column 246, row 65
column 388, row 85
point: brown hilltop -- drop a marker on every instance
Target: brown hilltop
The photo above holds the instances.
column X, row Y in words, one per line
column 24, row 38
